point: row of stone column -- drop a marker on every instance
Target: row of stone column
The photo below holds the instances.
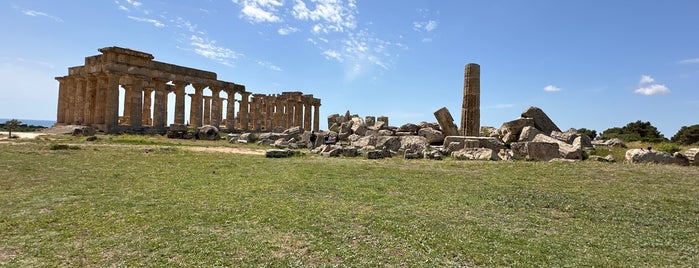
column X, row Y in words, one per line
column 94, row 100
column 286, row 110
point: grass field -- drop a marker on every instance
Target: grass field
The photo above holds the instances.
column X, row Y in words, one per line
column 126, row 201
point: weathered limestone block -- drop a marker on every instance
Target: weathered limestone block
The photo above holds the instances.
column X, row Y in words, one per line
column 505, row 154
column 279, row 153
column 511, row 130
column 568, row 136
column 370, row 121
column 413, row 143
column 410, row 154
column 583, row 141
column 432, row 135
column 365, row 141
column 409, row 127
column 383, row 119
column 375, row 154
column 293, row 131
column 541, row 120
column 534, row 151
column 208, row 132
column 567, row 151
column 335, row 119
column 453, row 147
column 446, row 122
column 475, row 154
column 432, row 154
column 247, row 138
column 391, row 143
column 475, row 142
column 83, row 131
column 635, row 156
column 386, row 132
column 431, row 125
column 359, row 129
column 681, row 159
column 349, row 152
column 691, row 155
column 528, row 133
column 471, row 105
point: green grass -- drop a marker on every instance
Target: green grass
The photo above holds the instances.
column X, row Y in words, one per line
column 106, row 205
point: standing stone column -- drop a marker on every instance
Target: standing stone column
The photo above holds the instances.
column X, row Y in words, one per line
column 62, row 100
column 256, row 111
column 298, row 110
column 216, row 107
column 195, row 113
column 316, row 115
column 471, row 106
column 160, row 105
column 207, row 110
column 136, row 111
column 244, row 107
column 88, row 112
column 179, row 101
column 269, row 112
column 111, row 112
column 307, row 111
column 127, row 102
column 79, row 108
column 230, row 108
column 100, row 99
column 279, row 111
column 146, row 118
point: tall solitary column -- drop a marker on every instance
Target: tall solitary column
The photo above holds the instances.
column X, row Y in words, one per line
column 244, row 106
column 195, row 113
column 179, row 101
column 136, row 114
column 471, row 106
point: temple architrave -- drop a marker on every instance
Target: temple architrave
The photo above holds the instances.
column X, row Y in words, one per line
column 91, row 95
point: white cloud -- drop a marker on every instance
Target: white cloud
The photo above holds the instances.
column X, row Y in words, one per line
column 689, row 61
column 552, row 88
column 653, row 89
column 35, row 13
column 646, row 79
column 332, row 54
column 134, row 3
column 269, row 65
column 260, row 10
column 287, row 30
column 648, row 87
column 209, row 49
column 426, row 26
column 155, row 23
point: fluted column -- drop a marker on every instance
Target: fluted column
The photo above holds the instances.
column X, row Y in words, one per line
column 307, row 111
column 111, row 112
column 316, row 115
column 298, row 111
column 70, row 104
column 136, row 111
column 470, row 107
column 244, row 107
column 195, row 113
column 100, row 99
column 207, row 110
column 78, row 109
column 89, row 106
column 289, row 110
column 160, row 105
column 146, row 118
column 230, row 109
column 216, row 103
column 62, row 100
column 269, row 112
column 179, row 101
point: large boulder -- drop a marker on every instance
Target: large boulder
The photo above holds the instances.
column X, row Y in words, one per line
column 293, row 131
column 432, row 135
column 208, row 132
column 636, row 156
column 83, row 131
column 365, row 141
column 475, row 154
column 280, row 153
column 529, row 133
column 409, row 127
column 390, row 143
column 691, row 155
column 568, row 136
column 511, row 130
column 535, row 151
column 541, row 120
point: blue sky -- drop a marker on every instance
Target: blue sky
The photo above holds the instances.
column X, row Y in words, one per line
column 592, row 64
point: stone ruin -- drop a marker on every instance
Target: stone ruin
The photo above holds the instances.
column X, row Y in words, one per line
column 90, row 96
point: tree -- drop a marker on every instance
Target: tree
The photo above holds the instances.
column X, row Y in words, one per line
column 634, row 131
column 12, row 124
column 589, row 132
column 687, row 135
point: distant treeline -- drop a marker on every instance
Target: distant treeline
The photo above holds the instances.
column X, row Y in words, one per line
column 21, row 128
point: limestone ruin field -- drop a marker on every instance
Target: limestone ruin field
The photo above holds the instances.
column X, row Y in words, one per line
column 143, row 201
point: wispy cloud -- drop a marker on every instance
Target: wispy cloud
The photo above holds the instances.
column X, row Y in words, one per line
column 648, row 87
column 689, row 61
column 426, row 26
column 269, row 65
column 287, row 30
column 34, row 13
column 260, row 10
column 329, row 15
column 155, row 23
column 209, row 49
column 552, row 88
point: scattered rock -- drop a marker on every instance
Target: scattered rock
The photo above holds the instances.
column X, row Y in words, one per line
column 280, row 153
column 208, row 132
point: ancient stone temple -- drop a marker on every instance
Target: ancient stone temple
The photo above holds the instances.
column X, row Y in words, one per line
column 131, row 81
column 471, row 105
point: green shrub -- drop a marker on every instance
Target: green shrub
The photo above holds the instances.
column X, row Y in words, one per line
column 667, row 147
